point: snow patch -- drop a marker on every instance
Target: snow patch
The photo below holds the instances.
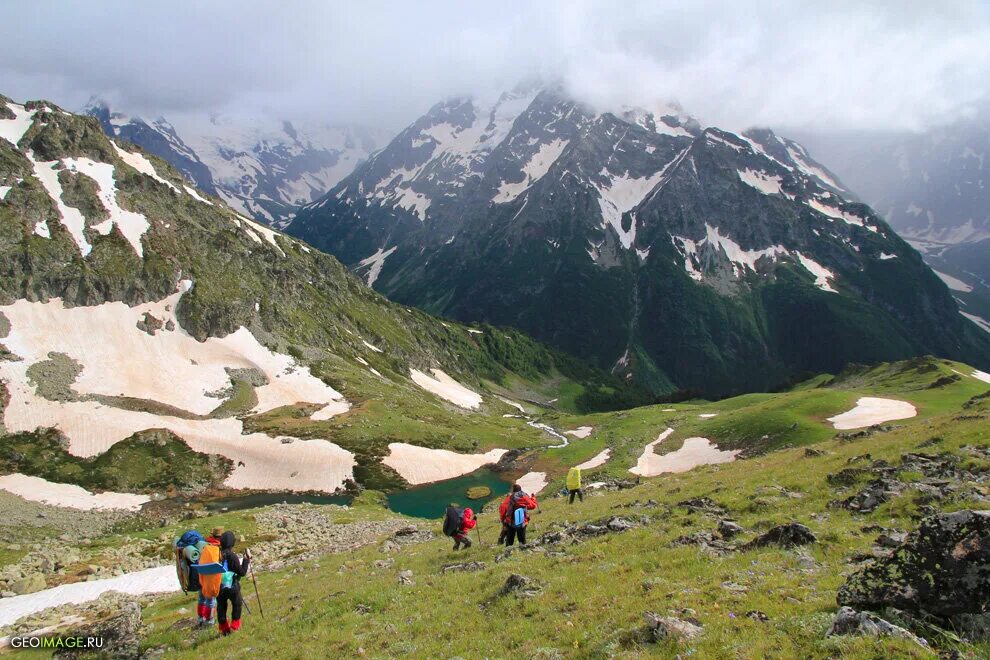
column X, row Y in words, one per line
column 12, row 130
column 268, row 233
column 822, row 275
column 533, row 482
column 72, row 219
column 141, row 164
column 131, row 225
column 693, row 453
column 598, row 459
column 740, row 258
column 421, row 465
column 581, row 432
column 4, row 190
column 371, row 346
column 509, row 402
column 873, row 410
column 195, row 195
column 533, row 171
column 446, row 388
column 153, row 580
column 768, row 184
column 36, row 489
column 980, row 321
column 953, row 283
column 375, row 263
column 838, row 214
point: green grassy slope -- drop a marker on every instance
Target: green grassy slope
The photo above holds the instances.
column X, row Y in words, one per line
column 594, row 593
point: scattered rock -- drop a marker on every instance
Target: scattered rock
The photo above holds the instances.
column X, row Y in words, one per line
column 467, row 567
column 850, row 622
column 120, row 634
column 703, row 505
column 810, row 452
column 735, row 588
column 729, row 528
column 757, row 615
column 28, row 584
column 406, row 577
column 706, row 542
column 520, row 586
column 663, row 628
column 785, row 536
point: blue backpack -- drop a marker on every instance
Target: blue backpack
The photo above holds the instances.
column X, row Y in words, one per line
column 519, row 517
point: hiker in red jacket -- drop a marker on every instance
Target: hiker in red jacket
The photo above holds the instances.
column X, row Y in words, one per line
column 516, row 500
column 462, row 537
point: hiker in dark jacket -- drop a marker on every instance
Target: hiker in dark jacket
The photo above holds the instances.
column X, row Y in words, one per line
column 231, row 593
column 518, row 499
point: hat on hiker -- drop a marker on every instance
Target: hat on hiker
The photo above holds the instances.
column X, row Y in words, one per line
column 217, row 532
column 516, row 488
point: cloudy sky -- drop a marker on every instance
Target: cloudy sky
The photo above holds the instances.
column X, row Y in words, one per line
column 801, row 65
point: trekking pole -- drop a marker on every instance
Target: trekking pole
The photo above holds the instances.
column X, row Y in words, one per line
column 257, row 594
column 244, row 603
column 478, row 530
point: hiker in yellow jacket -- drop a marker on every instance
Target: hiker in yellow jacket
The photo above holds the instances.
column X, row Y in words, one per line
column 574, row 484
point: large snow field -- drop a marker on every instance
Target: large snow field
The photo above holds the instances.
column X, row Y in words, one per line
column 171, row 367
column 420, row 465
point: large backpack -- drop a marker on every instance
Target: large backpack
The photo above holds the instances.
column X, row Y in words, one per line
column 453, row 521
column 186, row 550
column 574, row 479
column 517, row 511
column 210, row 582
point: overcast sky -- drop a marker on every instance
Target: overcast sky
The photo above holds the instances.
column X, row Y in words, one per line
column 853, row 65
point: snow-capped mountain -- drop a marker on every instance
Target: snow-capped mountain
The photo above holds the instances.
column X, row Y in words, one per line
column 933, row 188
column 688, row 257
column 260, row 167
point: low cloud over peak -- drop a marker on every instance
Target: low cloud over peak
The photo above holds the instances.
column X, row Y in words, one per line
column 878, row 65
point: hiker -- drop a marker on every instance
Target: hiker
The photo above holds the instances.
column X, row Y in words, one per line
column 457, row 524
column 514, row 512
column 186, row 549
column 505, row 526
column 209, row 585
column 462, row 537
column 230, row 590
column 574, row 484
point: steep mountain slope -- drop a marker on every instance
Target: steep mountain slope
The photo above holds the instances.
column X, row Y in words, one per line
column 689, row 258
column 262, row 168
column 131, row 302
column 934, row 190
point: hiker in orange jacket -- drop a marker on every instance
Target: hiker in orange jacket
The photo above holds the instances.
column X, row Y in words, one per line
column 208, row 602
column 462, row 537
column 517, row 499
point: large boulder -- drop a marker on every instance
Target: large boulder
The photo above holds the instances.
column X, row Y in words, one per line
column 943, row 569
